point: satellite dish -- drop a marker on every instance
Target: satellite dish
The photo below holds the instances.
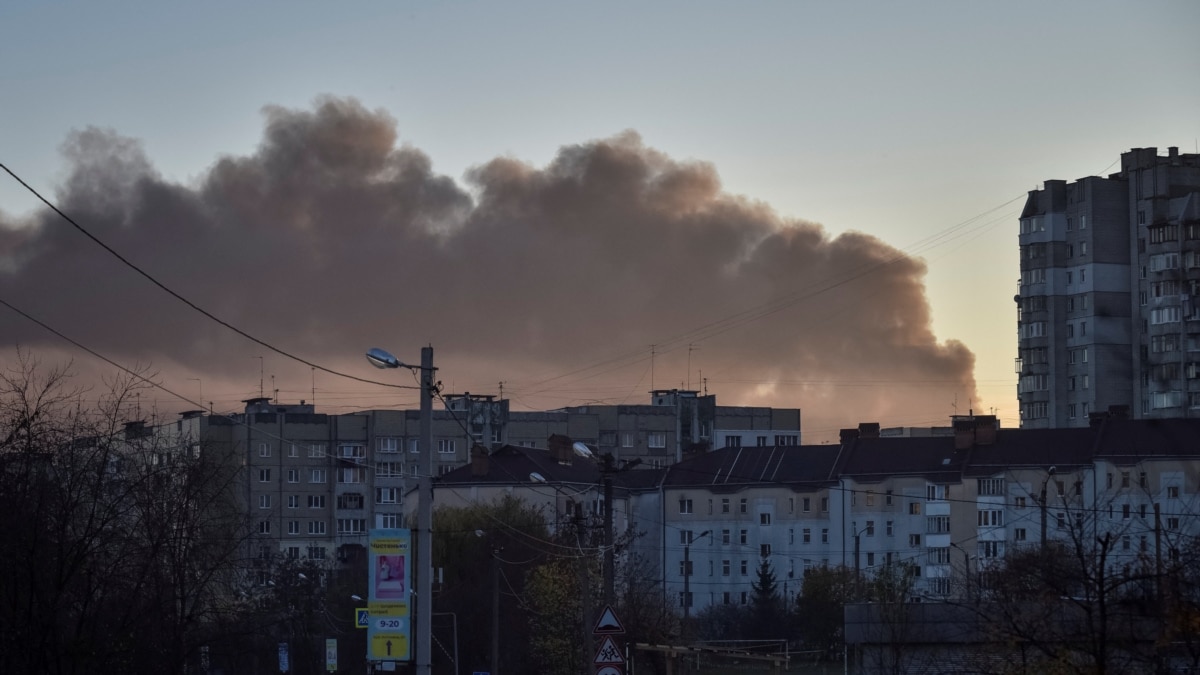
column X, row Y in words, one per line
column 537, row 477
column 582, row 450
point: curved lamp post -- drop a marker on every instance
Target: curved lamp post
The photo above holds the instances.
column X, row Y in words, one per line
column 424, row 642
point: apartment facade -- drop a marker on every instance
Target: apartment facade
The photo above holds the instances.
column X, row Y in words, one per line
column 1107, row 310
column 315, row 484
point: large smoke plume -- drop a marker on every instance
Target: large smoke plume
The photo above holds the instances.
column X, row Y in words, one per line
column 556, row 280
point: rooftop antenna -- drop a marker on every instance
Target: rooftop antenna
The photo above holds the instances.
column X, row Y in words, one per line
column 704, row 381
column 652, row 367
column 314, row 387
column 691, row 348
column 955, row 405
column 501, row 390
column 274, row 389
column 260, row 375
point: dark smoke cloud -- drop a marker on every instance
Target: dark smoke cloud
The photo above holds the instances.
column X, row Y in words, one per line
column 331, row 238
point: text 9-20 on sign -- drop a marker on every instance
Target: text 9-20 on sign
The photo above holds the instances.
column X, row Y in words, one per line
column 384, row 623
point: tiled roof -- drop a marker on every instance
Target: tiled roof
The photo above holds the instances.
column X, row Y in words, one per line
column 1032, row 448
column 741, row 466
column 1129, row 441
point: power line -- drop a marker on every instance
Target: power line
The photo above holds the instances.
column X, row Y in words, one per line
column 189, row 303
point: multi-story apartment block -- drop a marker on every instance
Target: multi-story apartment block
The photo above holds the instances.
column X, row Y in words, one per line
column 1107, row 308
column 314, row 484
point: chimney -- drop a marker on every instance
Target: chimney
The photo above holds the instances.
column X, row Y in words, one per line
column 868, row 430
column 479, row 460
column 135, row 430
column 846, row 436
column 560, row 448
column 985, row 429
column 964, row 431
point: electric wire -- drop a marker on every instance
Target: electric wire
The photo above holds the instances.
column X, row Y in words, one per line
column 146, row 275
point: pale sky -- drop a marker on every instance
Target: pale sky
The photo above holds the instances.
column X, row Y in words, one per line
column 900, row 120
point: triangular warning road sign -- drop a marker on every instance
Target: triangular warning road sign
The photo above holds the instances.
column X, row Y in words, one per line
column 609, row 654
column 608, row 624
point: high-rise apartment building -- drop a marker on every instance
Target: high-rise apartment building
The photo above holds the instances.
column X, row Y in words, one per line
column 1107, row 310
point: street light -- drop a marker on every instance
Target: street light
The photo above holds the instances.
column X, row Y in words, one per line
column 607, row 469
column 424, row 643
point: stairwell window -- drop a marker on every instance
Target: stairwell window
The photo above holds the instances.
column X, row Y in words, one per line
column 685, row 506
column 656, row 439
column 446, row 446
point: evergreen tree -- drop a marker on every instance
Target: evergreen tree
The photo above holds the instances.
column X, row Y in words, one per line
column 766, row 606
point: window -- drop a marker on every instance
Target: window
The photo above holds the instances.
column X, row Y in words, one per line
column 264, row 449
column 656, row 439
column 724, row 505
column 351, row 525
column 870, row 528
column 389, row 469
column 293, row 450
column 1172, row 492
column 264, row 475
column 352, row 452
column 742, row 537
column 293, row 501
column 1124, row 479
column 764, row 550
column 446, row 446
column 806, row 504
column 414, row 446
column 1125, row 511
column 626, row 439
column 317, row 476
column 806, row 535
column 1142, row 480
column 825, row 535
column 316, row 552
column 937, row 524
column 293, row 527
column 764, row 519
column 316, row 501
column 264, row 527
column 316, row 527
column 293, row 552
column 935, row 493
column 989, row 549
column 824, row 504
column 388, row 495
column 870, row 498
column 387, row 445
column 725, row 538
column 1019, row 503
column 742, row 505
column 787, row 439
column 1141, row 510
column 350, row 500
column 685, row 568
column 316, row 450
column 791, row 504
column 293, row 475
column 870, row 559
column 991, row 486
column 352, row 475
column 264, row 501
column 914, row 508
column 914, row 540
column 725, row 567
column 745, row 568
column 685, row 506
column 1019, row 534
column 991, row 518
column 388, row 520
column 887, row 500
column 889, row 530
